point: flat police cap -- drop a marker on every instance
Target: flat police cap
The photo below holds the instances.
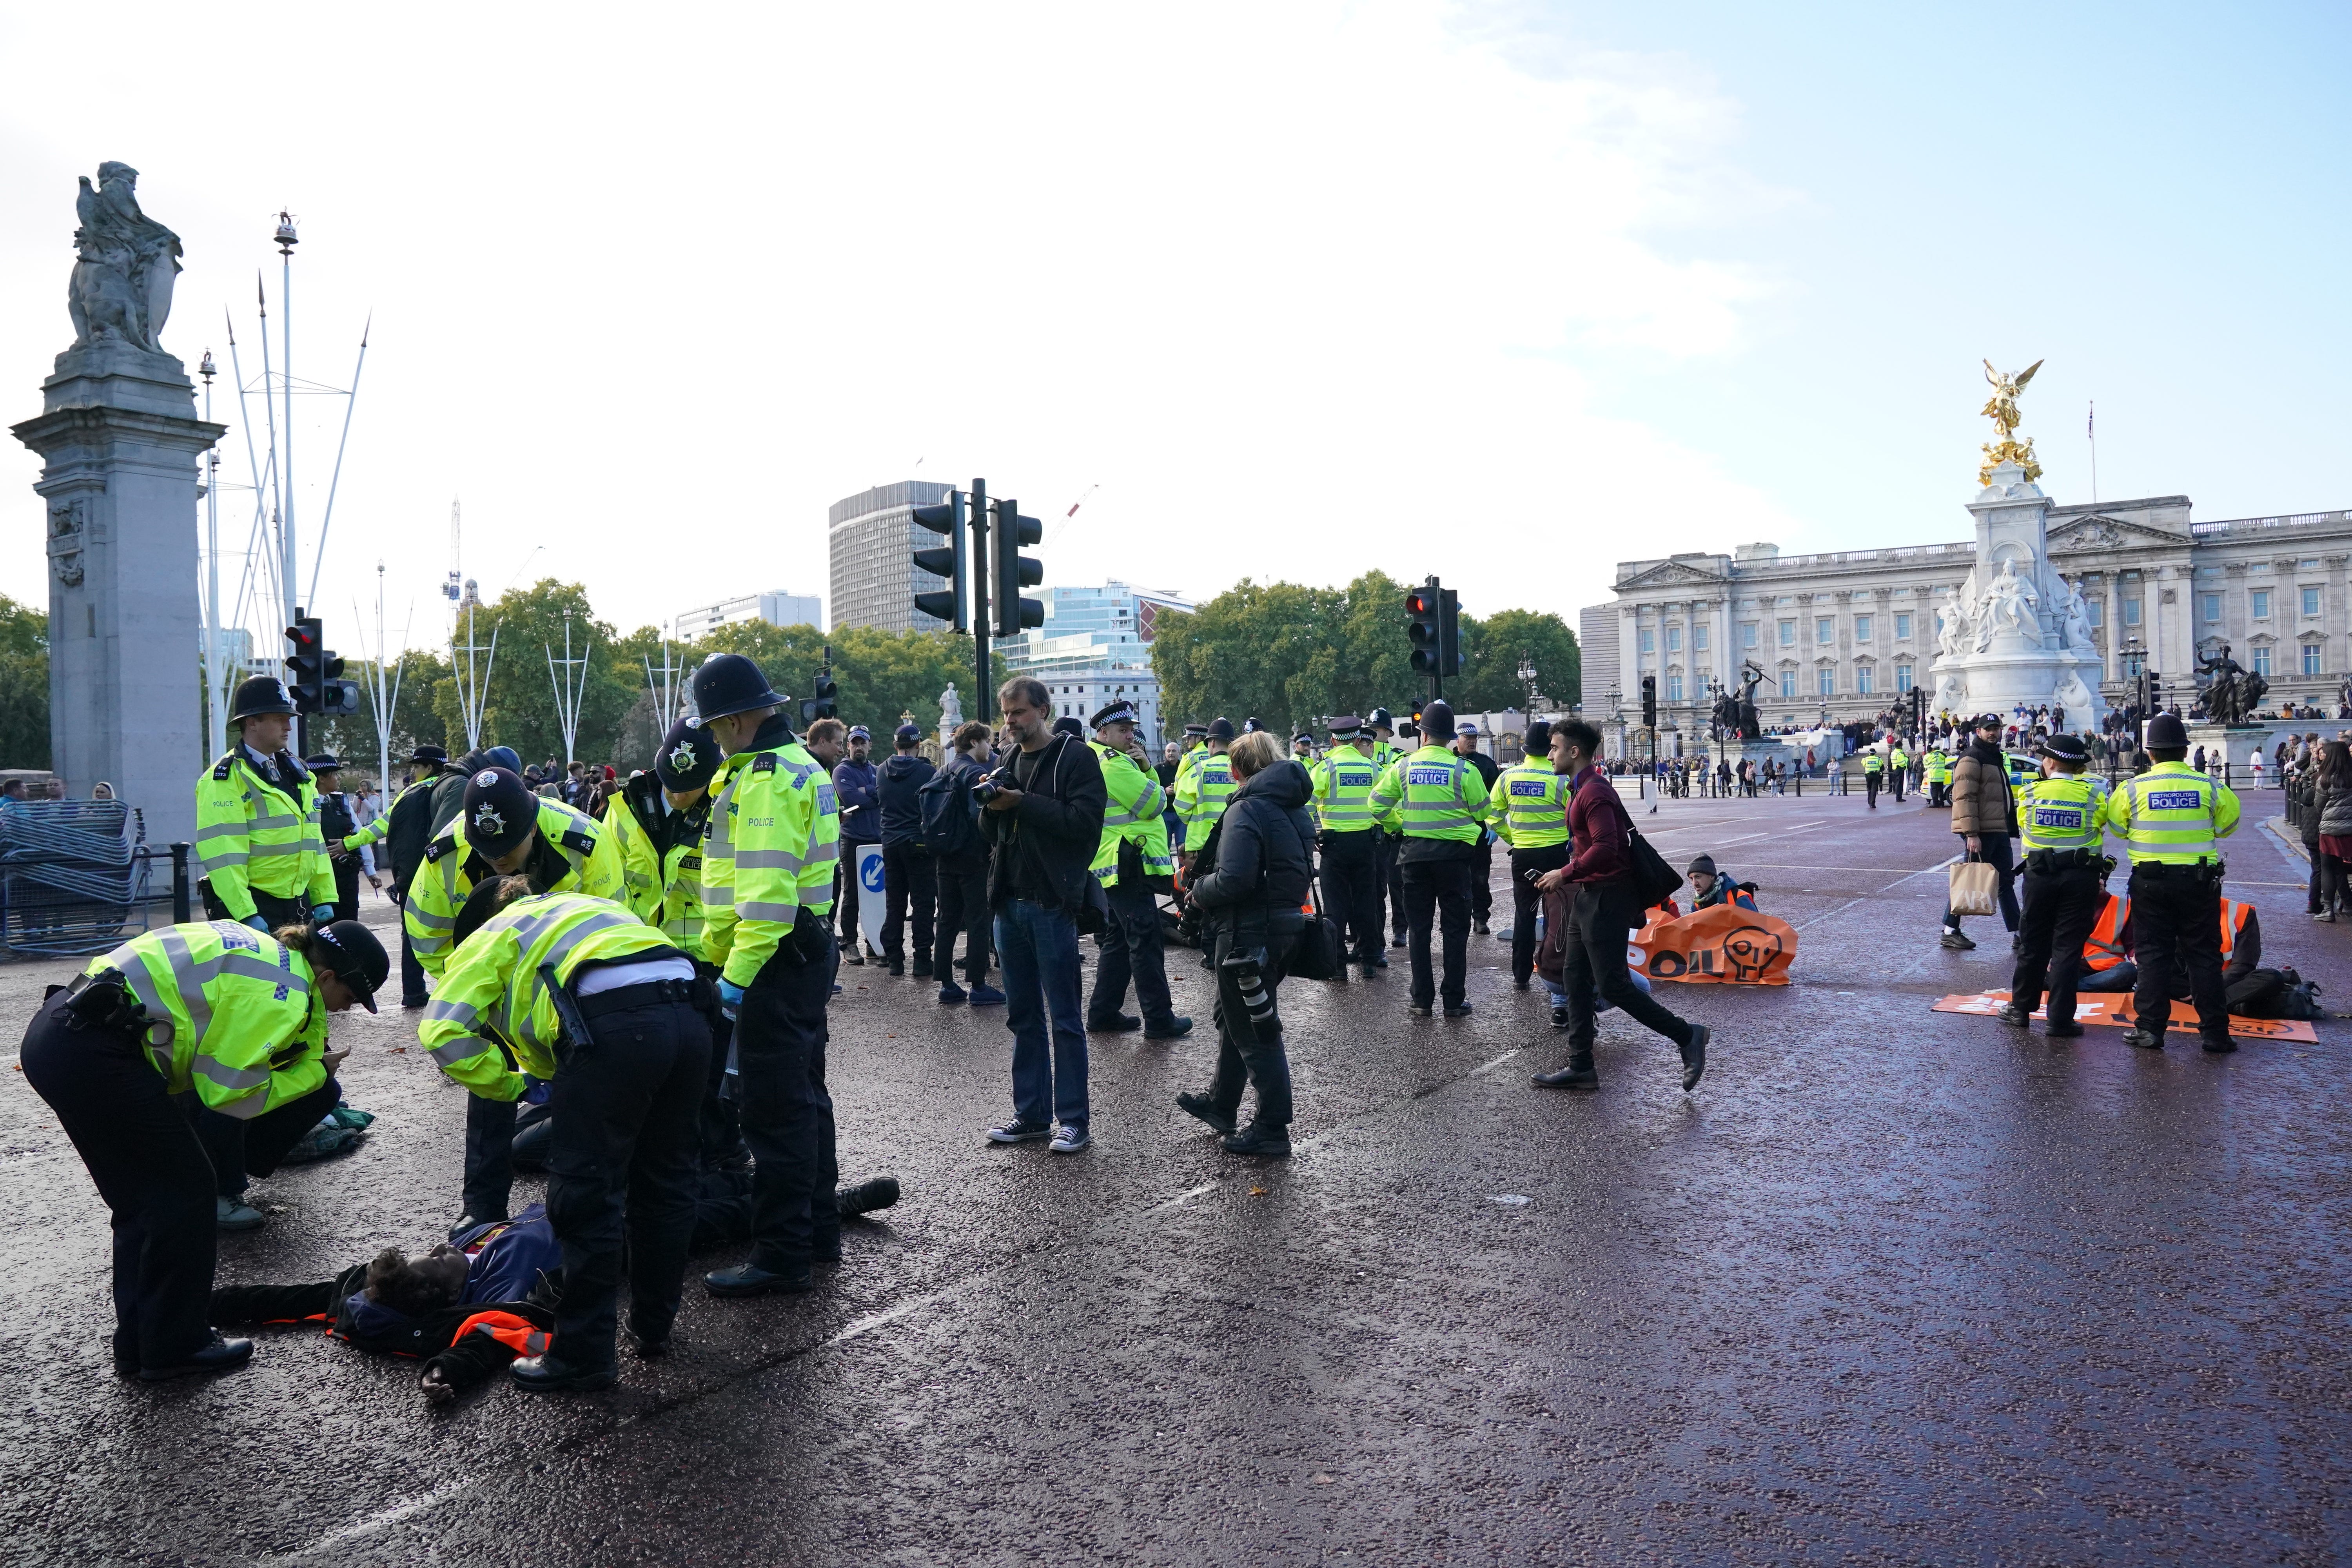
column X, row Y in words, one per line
column 324, row 763
column 1345, row 727
column 1120, row 712
column 500, row 813
column 687, row 758
column 358, row 959
column 2066, row 748
column 1197, row 732
column 429, row 753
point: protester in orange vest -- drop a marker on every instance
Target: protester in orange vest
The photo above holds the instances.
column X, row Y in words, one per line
column 2107, row 963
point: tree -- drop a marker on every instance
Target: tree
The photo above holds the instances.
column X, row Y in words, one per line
column 518, row 698
column 24, row 685
column 1491, row 652
column 880, row 674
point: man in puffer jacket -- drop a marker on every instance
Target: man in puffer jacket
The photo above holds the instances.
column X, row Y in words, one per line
column 1250, row 881
column 1984, row 814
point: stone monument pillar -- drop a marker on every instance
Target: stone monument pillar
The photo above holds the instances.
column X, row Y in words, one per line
column 120, row 441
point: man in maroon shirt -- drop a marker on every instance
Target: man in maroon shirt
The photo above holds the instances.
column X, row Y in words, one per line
column 1603, row 907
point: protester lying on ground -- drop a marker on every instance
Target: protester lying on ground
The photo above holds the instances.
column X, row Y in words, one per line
column 1710, row 888
column 2253, row 992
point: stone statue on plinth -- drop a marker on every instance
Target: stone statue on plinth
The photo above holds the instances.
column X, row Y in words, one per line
column 127, row 265
column 950, row 715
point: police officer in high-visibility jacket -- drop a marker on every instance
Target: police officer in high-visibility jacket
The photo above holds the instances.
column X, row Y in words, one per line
column 1348, row 839
column 2171, row 819
column 258, row 851
column 1898, row 769
column 767, row 891
column 1133, row 854
column 1938, row 769
column 658, row 831
column 406, row 830
column 1202, row 793
column 2064, row 884
column 1530, row 810
column 239, row 1020
column 1441, row 804
column 502, row 829
column 1874, row 772
column 1380, row 733
column 599, row 1009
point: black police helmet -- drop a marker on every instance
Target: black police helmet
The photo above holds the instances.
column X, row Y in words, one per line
column 1438, row 720
column 1378, row 719
column 2166, row 732
column 1221, row 728
column 1538, row 738
column 687, row 758
column 500, row 813
column 727, row 684
column 262, row 694
column 358, row 960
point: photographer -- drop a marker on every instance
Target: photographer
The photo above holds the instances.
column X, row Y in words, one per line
column 947, row 816
column 1251, row 879
column 1043, row 813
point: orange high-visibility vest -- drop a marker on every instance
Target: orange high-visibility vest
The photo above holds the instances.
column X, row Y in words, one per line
column 2104, row 949
column 2233, row 920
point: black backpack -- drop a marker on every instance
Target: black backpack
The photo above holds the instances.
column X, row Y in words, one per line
column 950, row 824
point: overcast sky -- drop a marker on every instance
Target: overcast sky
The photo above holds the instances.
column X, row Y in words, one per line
column 1502, row 293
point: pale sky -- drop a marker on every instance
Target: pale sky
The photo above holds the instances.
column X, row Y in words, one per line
column 1502, row 293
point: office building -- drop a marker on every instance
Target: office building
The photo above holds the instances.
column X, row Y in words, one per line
column 778, row 609
column 1094, row 649
column 871, row 537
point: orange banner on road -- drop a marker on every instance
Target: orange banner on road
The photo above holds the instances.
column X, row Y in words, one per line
column 1723, row 945
column 2114, row 1008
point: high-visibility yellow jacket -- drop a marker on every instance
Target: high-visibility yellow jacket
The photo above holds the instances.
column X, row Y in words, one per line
column 575, row 855
column 491, row 991
column 1200, row 797
column 2172, row 814
column 1343, row 780
column 662, row 888
column 2059, row 811
column 1433, row 794
column 775, row 836
column 1938, row 767
column 1528, row 807
column 253, row 834
column 231, row 1013
column 1134, row 801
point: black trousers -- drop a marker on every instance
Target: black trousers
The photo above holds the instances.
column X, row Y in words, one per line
column 1392, row 880
column 1482, row 882
column 846, row 891
column 1898, row 779
column 347, row 888
column 963, row 907
column 1133, row 949
column 1870, row 789
column 2177, row 919
column 489, row 1156
column 2061, row 907
column 623, row 1162
column 722, row 1136
column 1437, row 892
column 153, row 1172
column 1999, row 854
column 1527, row 865
column 1249, row 1052
column 411, row 973
column 779, row 1040
column 910, row 881
column 1592, row 967
column 1352, row 890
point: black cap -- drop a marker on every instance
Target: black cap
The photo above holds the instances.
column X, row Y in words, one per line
column 2066, row 748
column 358, row 960
column 1221, row 728
column 262, row 694
column 1198, row 731
column 687, row 758
column 1066, row 725
column 501, row 811
column 1538, row 738
column 1987, row 721
column 1438, row 720
column 1346, row 727
column 1120, row 712
column 324, row 763
column 727, row 684
column 429, row 753
column 2165, row 730
column 907, row 734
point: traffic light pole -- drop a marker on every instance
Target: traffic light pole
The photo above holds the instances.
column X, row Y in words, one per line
column 984, row 697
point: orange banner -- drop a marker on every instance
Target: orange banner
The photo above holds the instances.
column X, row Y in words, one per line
column 1723, row 945
column 2114, row 1008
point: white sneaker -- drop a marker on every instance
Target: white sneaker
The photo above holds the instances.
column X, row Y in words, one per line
column 1069, row 1140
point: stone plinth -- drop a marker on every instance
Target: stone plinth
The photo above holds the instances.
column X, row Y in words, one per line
column 120, row 441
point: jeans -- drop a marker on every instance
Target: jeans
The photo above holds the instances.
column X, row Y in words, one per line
column 910, row 881
column 1592, row 968
column 1998, row 853
column 1132, row 948
column 1438, row 892
column 787, row 1114
column 1039, row 947
column 963, row 907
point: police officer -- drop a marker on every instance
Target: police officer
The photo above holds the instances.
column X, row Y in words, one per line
column 262, row 860
column 1440, row 801
column 337, row 828
column 1873, row 769
column 1938, row 769
column 405, row 828
column 1482, row 868
column 1380, row 735
column 1898, row 763
column 2065, row 885
column 659, row 833
column 1202, row 793
column 236, row 1020
column 1133, row 853
column 767, row 892
column 598, row 1009
column 2171, row 819
column 1347, row 840
column 502, row 830
column 1529, row 809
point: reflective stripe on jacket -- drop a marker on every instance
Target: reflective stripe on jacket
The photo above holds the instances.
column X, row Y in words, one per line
column 661, row 888
column 1200, row 797
column 1436, row 794
column 2060, row 811
column 1132, row 812
column 252, row 834
column 492, row 993
column 439, row 890
column 774, row 840
column 2172, row 814
column 1529, row 805
column 246, row 1027
column 1342, row 783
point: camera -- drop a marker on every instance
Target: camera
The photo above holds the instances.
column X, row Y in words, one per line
column 989, row 787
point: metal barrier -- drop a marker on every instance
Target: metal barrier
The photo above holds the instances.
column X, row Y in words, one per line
column 75, row 875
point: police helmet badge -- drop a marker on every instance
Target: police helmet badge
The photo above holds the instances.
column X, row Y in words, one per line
column 681, row 757
column 487, row 822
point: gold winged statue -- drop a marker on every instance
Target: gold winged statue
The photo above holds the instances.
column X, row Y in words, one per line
column 2002, row 409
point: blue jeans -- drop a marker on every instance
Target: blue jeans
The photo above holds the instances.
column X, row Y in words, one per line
column 1038, row 949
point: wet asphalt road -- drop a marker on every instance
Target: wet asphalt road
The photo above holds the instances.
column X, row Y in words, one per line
column 1893, row 1286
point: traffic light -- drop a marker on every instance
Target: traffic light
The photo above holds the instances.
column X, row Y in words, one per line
column 1650, row 701
column 822, row 703
column 1015, row 571
column 1424, row 627
column 946, row 561
column 1449, row 632
column 308, row 662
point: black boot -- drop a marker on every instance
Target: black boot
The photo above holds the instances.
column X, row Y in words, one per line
column 1578, row 1073
column 1202, row 1106
column 865, row 1197
column 1695, row 1056
column 1261, row 1139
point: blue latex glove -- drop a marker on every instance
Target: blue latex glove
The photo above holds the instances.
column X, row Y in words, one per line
column 322, row 913
column 255, row 921
column 534, row 1091
column 730, row 997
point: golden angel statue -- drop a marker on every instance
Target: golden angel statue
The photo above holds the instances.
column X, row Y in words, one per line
column 2002, row 409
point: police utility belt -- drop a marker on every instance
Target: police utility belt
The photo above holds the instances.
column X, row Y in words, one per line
column 2171, row 870
column 2080, row 858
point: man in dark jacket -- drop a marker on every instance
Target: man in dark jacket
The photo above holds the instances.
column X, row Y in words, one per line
column 336, row 823
column 1249, row 883
column 1482, row 865
column 1042, row 815
column 405, row 829
column 861, row 824
column 909, row 877
column 1605, row 908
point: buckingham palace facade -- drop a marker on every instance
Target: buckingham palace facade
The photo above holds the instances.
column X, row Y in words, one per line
column 1847, row 634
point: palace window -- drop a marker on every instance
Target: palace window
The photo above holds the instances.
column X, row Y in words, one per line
column 2263, row 661
column 2209, row 607
column 1787, row 634
column 1748, row 634
column 1673, row 640
column 1862, row 628
column 2131, row 612
column 1698, row 639
column 2262, row 603
column 1674, row 688
column 1861, row 680
column 1824, row 631
column 1902, row 625
column 1826, row 679
column 1903, row 678
column 2311, row 601
column 2311, row 658
column 1649, row 640
column 1788, row 683
column 2094, row 611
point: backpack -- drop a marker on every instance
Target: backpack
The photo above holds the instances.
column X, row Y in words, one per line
column 950, row 826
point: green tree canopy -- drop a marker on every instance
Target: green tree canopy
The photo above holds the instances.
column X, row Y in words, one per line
column 1491, row 652
column 24, row 685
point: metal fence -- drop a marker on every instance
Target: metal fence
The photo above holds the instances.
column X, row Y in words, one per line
column 77, row 876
